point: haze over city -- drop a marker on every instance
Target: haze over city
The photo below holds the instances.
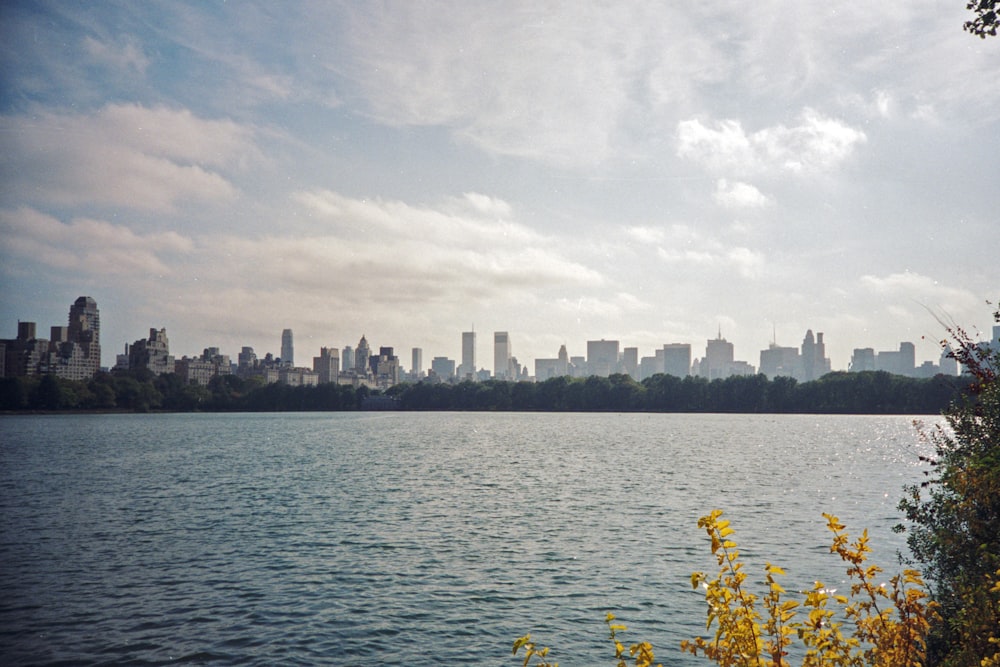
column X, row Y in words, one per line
column 564, row 173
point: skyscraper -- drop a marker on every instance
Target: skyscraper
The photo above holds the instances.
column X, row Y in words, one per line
column 718, row 360
column 948, row 363
column 361, row 357
column 468, row 367
column 501, row 355
column 287, row 350
column 814, row 361
column 152, row 353
column 327, row 364
column 417, row 367
column 602, row 357
column 85, row 332
column 677, row 359
column 630, row 362
column 85, row 321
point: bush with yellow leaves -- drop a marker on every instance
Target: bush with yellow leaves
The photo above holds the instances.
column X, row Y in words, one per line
column 879, row 624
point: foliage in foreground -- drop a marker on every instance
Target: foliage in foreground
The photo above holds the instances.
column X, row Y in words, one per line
column 955, row 514
column 878, row 623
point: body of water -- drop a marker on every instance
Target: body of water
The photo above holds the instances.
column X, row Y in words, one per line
column 412, row 538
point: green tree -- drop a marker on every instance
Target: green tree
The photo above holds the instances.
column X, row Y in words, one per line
column 49, row 395
column 14, row 393
column 955, row 513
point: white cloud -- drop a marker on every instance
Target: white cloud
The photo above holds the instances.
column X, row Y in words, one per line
column 125, row 56
column 739, row 195
column 87, row 247
column 484, row 204
column 123, row 155
column 646, row 235
column 393, row 251
column 552, row 84
column 816, row 143
column 690, row 251
column 919, row 289
column 610, row 309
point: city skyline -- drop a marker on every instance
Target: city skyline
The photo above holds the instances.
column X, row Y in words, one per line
column 603, row 357
column 565, row 174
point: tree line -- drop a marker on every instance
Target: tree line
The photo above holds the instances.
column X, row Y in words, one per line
column 869, row 392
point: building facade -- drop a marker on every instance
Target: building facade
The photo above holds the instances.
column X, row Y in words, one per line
column 468, row 366
column 677, row 359
column 152, row 353
column 72, row 352
column 327, row 365
column 417, row 364
column 287, row 348
column 502, row 356
column 602, row 357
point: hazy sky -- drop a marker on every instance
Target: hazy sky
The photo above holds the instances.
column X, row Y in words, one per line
column 648, row 172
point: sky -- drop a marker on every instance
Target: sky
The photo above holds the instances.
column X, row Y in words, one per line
column 647, row 172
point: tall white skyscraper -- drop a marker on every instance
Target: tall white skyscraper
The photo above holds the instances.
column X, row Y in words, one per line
column 501, row 355
column 468, row 366
column 287, row 350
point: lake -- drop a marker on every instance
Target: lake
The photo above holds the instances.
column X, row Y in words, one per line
column 412, row 538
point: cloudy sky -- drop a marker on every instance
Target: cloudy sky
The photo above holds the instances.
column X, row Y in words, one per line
column 648, row 172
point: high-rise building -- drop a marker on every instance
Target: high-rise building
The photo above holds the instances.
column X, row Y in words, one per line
column 602, row 357
column 907, row 358
column 468, row 367
column 361, row 357
column 814, row 362
column 287, row 349
column 26, row 354
column 417, row 365
column 781, row 361
column 76, row 352
column 862, row 359
column 246, row 361
column 630, row 362
column 551, row 368
column 501, row 356
column 948, row 364
column 677, row 359
column 386, row 368
column 719, row 362
column 85, row 321
column 152, row 353
column 901, row 362
column 443, row 368
column 327, row 364
column 200, row 370
column 347, row 358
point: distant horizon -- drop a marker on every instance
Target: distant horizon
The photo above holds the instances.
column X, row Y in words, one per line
column 638, row 172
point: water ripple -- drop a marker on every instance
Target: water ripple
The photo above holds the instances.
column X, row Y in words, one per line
column 416, row 539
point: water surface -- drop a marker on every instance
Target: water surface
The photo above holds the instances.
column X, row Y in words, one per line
column 410, row 538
